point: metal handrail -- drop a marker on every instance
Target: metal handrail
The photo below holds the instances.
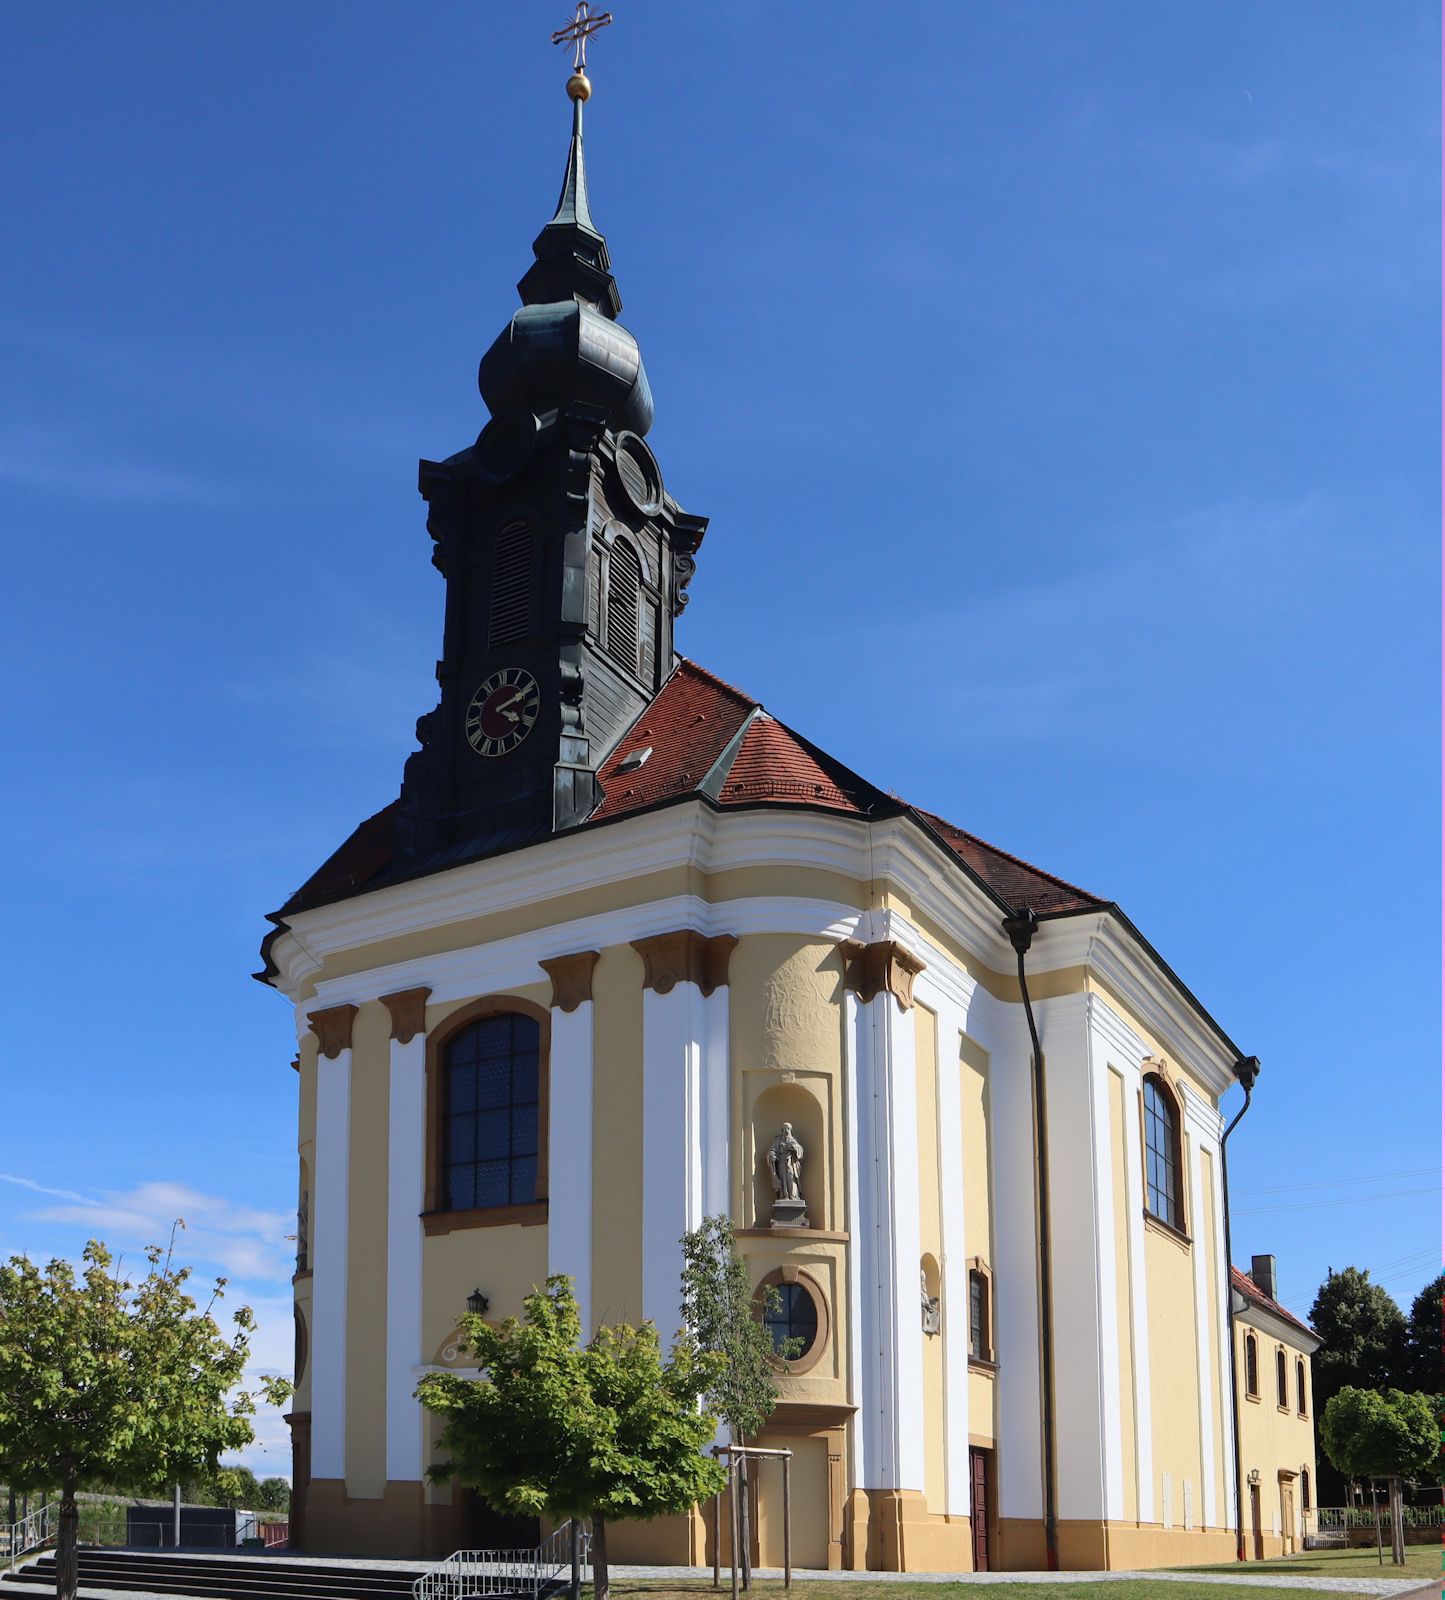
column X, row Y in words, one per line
column 30, row 1534
column 497, row 1572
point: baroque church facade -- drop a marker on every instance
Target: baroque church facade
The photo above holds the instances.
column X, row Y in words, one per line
column 627, row 952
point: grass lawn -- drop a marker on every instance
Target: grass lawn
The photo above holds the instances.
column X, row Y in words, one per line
column 1422, row 1563
column 1128, row 1589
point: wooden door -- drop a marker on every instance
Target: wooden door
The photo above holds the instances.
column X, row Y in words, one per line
column 1286, row 1516
column 1254, row 1522
column 979, row 1508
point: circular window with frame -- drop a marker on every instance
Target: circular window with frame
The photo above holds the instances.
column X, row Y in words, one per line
column 797, row 1318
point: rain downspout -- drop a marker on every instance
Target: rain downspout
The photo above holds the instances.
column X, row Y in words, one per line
column 1246, row 1070
column 1020, row 927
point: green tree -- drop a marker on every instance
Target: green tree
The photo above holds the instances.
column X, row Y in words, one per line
column 724, row 1316
column 237, row 1487
column 105, row 1381
column 604, row 1432
column 1363, row 1334
column 1373, row 1433
column 1420, row 1363
column 274, row 1495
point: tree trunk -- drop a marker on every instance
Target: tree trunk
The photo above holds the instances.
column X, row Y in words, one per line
column 67, row 1546
column 1397, row 1522
column 745, row 1535
column 601, row 1584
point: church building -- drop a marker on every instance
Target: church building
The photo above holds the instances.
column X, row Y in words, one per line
column 627, row 952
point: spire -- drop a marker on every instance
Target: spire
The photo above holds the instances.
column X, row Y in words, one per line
column 572, row 261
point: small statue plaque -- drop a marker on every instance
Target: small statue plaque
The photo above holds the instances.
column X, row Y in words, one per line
column 785, row 1165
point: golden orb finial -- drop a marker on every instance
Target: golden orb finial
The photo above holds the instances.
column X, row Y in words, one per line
column 579, row 87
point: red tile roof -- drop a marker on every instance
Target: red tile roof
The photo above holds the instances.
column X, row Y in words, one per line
column 702, row 736
column 1256, row 1296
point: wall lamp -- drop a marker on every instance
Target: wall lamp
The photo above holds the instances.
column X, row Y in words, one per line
column 478, row 1304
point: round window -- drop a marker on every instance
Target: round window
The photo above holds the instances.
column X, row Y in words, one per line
column 792, row 1320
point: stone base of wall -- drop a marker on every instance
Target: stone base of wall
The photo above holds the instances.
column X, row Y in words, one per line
column 402, row 1523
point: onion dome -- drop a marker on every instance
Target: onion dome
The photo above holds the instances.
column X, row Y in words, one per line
column 565, row 346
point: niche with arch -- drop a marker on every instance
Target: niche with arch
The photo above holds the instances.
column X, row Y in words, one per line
column 795, row 1103
column 931, row 1294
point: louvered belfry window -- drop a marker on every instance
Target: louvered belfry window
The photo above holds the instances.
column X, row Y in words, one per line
column 511, row 614
column 624, row 595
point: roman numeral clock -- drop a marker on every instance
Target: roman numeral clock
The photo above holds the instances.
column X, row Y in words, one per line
column 503, row 711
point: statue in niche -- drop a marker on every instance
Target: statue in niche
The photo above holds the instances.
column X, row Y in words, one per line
column 785, row 1166
column 932, row 1310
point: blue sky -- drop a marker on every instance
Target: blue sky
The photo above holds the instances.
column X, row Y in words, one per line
column 1062, row 383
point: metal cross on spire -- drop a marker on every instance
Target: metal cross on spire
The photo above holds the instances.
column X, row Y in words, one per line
column 577, row 32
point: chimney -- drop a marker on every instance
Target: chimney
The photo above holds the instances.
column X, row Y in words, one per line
column 1261, row 1269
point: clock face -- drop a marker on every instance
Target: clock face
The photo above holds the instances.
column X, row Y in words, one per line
column 503, row 712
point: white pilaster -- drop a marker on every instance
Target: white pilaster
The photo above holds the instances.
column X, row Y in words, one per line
column 1199, row 1138
column 1225, row 1291
column 569, row 1154
column 1108, row 1268
column 405, row 1199
column 672, row 1164
column 954, row 1266
column 887, row 1246
column 330, row 1231
column 1138, row 1290
column 1015, row 1272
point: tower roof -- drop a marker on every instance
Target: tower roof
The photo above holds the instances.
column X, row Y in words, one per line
column 572, row 261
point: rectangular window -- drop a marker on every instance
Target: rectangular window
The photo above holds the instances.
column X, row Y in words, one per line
column 978, row 1345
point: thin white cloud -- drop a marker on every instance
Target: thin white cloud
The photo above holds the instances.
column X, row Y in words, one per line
column 40, row 1188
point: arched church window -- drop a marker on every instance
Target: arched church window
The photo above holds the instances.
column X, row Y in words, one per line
column 1304, row 1491
column 491, row 1085
column 1251, row 1365
column 1299, row 1385
column 1281, row 1380
column 980, row 1344
column 1162, row 1152
column 624, row 604
column 510, row 616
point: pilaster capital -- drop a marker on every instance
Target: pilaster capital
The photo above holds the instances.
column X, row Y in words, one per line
column 881, row 968
column 332, row 1027
column 571, row 978
column 408, row 1013
column 685, row 956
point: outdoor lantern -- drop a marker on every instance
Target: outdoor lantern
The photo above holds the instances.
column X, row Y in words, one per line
column 477, row 1303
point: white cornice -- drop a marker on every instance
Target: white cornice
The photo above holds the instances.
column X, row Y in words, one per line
column 892, row 851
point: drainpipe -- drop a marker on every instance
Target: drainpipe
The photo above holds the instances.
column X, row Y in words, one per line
column 1246, row 1070
column 1020, row 928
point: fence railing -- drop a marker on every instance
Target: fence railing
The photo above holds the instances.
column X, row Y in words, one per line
column 496, row 1572
column 32, row 1533
column 1339, row 1519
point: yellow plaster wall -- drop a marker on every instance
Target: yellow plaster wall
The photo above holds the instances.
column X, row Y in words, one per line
column 977, row 1156
column 1129, row 1425
column 306, row 1152
column 617, row 1136
column 366, row 1254
column 930, row 1238
column 1173, row 1369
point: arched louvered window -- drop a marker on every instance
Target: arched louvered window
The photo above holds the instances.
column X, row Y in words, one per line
column 1162, row 1155
column 511, row 613
column 1281, row 1382
column 624, row 598
column 1299, row 1385
column 1251, row 1365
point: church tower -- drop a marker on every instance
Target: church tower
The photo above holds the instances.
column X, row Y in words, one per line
column 566, row 560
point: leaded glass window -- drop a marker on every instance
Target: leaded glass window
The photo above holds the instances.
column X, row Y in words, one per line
column 492, row 1106
column 978, row 1316
column 792, row 1320
column 1161, row 1153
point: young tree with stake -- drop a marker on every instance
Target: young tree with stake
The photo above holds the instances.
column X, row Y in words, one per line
column 599, row 1432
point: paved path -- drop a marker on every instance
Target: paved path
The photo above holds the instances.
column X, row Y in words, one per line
column 1399, row 1588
